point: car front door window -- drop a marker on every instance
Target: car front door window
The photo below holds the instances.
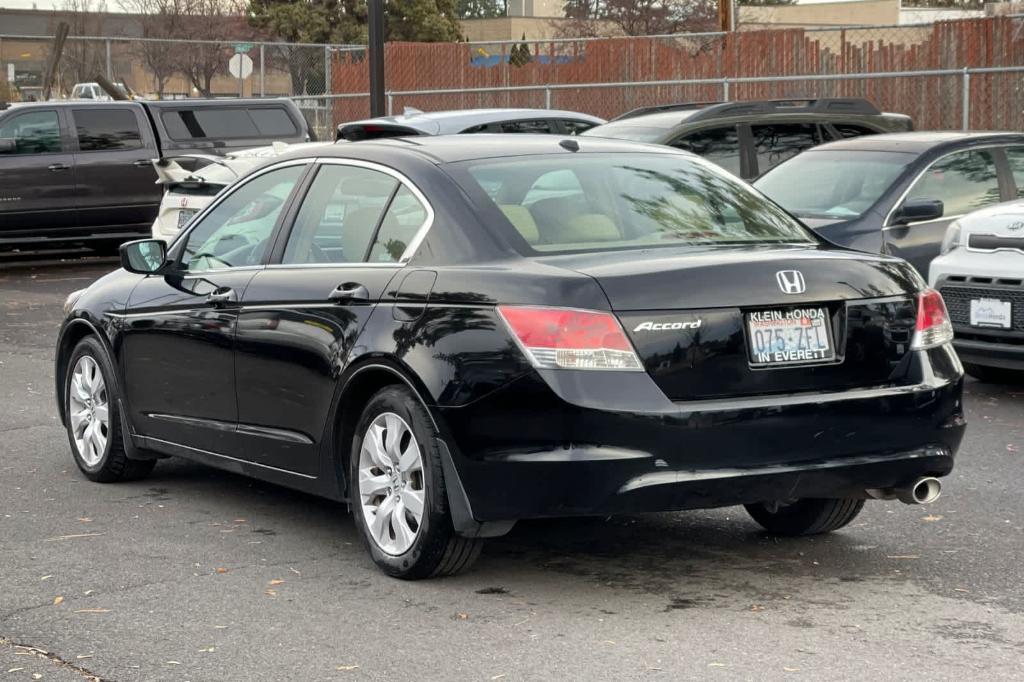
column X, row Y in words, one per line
column 35, row 132
column 963, row 181
column 720, row 146
column 237, row 231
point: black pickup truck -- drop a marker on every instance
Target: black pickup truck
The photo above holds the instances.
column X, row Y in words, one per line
column 81, row 172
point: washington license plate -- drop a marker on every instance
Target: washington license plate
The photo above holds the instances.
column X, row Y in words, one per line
column 991, row 312
column 792, row 336
column 184, row 216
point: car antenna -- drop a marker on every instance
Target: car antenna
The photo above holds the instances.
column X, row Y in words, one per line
column 571, row 145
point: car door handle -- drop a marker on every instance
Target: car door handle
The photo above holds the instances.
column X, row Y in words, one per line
column 142, row 163
column 58, row 167
column 222, row 296
column 349, row 292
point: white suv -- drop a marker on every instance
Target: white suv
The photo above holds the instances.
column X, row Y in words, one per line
column 980, row 273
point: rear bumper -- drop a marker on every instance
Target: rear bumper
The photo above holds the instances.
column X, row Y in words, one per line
column 557, row 446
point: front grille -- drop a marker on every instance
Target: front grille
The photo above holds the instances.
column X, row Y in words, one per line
column 990, row 242
column 958, row 302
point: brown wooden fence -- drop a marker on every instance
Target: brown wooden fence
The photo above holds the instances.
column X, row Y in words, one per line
column 996, row 100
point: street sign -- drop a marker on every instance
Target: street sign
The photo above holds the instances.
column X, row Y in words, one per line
column 242, row 47
column 240, row 66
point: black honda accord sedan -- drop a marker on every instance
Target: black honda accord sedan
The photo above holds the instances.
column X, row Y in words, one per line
column 452, row 336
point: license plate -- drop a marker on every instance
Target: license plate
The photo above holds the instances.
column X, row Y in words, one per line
column 184, row 216
column 991, row 312
column 791, row 336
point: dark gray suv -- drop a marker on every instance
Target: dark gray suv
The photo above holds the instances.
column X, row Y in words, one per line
column 748, row 138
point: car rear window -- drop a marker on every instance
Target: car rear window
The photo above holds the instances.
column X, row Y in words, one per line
column 579, row 202
column 229, row 122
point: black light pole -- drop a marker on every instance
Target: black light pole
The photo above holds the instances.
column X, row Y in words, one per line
column 376, row 57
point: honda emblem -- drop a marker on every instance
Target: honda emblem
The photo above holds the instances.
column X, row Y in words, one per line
column 791, row 281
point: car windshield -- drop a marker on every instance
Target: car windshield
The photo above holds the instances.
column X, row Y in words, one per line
column 836, row 185
column 580, row 202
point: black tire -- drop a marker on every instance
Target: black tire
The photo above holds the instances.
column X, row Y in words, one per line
column 806, row 516
column 994, row 375
column 113, row 464
column 437, row 549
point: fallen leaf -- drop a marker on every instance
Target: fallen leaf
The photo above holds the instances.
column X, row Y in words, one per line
column 270, row 593
column 960, row 589
column 462, row 616
column 498, row 677
column 58, row 600
column 85, row 519
column 276, row 581
column 757, row 607
column 222, row 570
column 84, row 656
column 173, row 662
column 37, row 676
column 791, row 670
column 15, row 670
column 45, row 577
column 294, row 571
column 92, row 610
column 220, row 627
column 209, row 649
column 932, row 517
column 1010, row 447
column 239, row 521
column 347, row 667
column 716, row 665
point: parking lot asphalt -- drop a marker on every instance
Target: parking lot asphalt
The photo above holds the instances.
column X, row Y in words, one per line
column 196, row 574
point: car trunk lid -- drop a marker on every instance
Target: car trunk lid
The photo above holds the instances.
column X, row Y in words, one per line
column 705, row 321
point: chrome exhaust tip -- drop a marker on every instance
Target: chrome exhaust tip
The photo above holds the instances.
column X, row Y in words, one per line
column 923, row 490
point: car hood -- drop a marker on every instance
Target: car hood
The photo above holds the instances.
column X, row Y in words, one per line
column 1002, row 220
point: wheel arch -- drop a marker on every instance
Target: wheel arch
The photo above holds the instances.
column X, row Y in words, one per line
column 360, row 383
column 73, row 332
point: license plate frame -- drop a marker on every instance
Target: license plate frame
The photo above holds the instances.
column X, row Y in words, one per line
column 998, row 313
column 808, row 349
column 185, row 216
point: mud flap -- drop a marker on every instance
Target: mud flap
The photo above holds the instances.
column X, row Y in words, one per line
column 459, row 506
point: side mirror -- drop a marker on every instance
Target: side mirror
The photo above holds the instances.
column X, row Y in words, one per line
column 144, row 257
column 918, row 211
column 8, row 145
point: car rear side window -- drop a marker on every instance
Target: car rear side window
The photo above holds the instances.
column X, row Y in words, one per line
column 404, row 218
column 532, row 126
column 339, row 215
column 574, row 127
column 107, row 129
column 964, row 181
column 1015, row 156
column 720, row 146
column 587, row 202
column 228, row 123
column 777, row 142
column 846, row 130
column 33, row 132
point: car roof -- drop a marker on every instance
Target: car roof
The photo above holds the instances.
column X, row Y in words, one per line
column 443, row 122
column 916, row 142
column 441, row 149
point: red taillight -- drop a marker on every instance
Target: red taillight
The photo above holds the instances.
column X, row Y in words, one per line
column 564, row 338
column 933, row 327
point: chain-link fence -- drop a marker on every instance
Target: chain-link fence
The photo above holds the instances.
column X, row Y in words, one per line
column 944, row 74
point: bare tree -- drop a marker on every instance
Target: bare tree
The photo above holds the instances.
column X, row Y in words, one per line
column 210, row 21
column 81, row 59
column 160, row 21
column 637, row 17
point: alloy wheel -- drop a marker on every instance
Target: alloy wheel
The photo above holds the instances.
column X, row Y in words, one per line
column 88, row 410
column 391, row 488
